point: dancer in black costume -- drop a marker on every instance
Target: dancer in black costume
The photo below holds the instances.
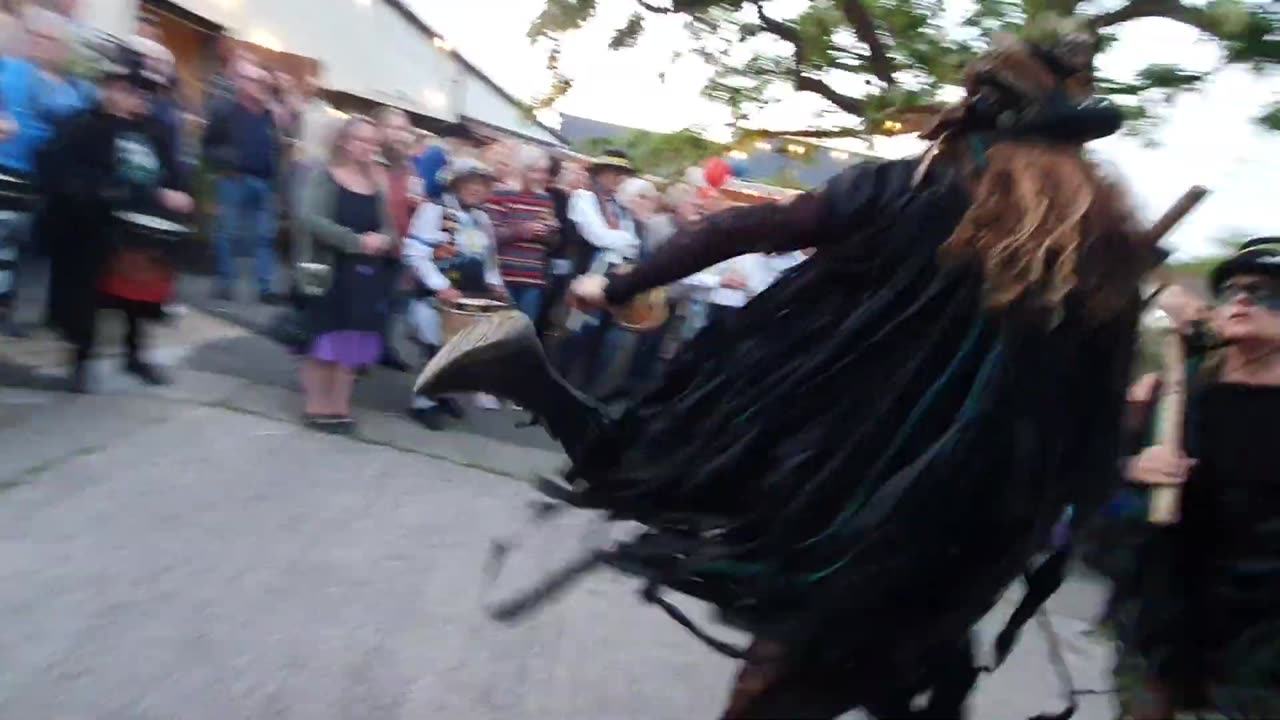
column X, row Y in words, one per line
column 858, row 464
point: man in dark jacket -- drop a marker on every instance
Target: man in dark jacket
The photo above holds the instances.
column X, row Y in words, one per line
column 242, row 145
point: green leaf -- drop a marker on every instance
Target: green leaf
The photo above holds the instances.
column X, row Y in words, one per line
column 627, row 35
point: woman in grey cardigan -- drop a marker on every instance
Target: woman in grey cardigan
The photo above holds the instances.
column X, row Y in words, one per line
column 346, row 226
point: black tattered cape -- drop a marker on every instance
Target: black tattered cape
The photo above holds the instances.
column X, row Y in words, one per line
column 862, row 459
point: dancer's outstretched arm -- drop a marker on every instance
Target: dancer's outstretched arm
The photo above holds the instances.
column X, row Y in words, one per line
column 812, row 219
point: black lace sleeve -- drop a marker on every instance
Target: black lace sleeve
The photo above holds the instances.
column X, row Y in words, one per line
column 812, row 219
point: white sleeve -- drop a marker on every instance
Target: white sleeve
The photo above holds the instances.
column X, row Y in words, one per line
column 584, row 211
column 426, row 231
column 759, row 273
column 492, row 271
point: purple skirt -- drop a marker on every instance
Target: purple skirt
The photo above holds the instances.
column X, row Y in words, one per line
column 349, row 348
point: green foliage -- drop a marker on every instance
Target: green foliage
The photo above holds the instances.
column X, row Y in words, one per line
column 905, row 52
column 665, row 155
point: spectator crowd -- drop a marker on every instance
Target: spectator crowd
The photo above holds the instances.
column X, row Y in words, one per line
column 390, row 228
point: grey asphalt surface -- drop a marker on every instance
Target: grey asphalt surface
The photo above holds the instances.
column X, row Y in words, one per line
column 191, row 552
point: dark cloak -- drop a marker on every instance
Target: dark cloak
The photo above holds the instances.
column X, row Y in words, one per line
column 80, row 177
column 863, row 458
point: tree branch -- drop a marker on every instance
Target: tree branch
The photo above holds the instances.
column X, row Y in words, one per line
column 654, row 8
column 808, row 83
column 777, row 27
column 864, row 26
column 1171, row 9
column 810, row 133
column 802, row 82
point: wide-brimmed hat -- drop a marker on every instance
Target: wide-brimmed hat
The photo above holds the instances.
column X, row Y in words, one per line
column 1259, row 256
column 141, row 62
column 464, row 169
column 1024, row 87
column 612, row 160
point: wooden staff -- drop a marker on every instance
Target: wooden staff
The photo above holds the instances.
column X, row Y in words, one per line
column 1166, row 500
column 1165, row 507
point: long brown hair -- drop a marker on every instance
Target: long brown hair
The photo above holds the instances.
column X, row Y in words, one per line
column 1044, row 220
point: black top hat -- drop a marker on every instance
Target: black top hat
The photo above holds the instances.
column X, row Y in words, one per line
column 1259, row 256
column 612, row 160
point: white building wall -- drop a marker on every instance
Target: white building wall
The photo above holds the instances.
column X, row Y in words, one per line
column 367, row 47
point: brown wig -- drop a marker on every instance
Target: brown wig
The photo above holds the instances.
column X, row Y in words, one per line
column 1045, row 222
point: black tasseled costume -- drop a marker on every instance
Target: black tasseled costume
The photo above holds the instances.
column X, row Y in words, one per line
column 862, row 460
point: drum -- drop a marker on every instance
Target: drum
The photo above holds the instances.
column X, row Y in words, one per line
column 457, row 316
column 148, row 232
column 142, row 266
column 647, row 312
column 16, row 195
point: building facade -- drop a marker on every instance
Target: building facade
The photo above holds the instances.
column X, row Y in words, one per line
column 376, row 50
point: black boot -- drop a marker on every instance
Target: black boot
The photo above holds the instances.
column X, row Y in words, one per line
column 501, row 355
column 146, row 372
column 79, row 381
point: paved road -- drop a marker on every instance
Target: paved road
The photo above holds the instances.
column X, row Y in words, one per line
column 190, row 552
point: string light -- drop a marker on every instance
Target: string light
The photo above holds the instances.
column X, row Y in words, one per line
column 265, row 39
column 762, row 145
column 892, row 126
column 797, row 149
column 737, row 155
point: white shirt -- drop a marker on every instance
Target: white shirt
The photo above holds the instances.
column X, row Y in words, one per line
column 614, row 246
column 757, row 269
column 426, row 232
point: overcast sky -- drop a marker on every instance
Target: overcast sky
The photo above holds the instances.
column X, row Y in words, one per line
column 1209, row 138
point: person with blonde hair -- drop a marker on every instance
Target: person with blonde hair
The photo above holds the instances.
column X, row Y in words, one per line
column 345, row 216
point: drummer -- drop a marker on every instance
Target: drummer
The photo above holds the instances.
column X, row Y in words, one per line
column 112, row 158
column 451, row 253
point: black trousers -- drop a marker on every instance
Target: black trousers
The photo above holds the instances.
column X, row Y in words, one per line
column 135, row 315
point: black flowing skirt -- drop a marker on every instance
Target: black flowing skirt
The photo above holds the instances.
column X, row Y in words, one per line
column 861, row 460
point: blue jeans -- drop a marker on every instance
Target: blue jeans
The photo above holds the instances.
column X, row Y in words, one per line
column 528, row 300
column 245, row 223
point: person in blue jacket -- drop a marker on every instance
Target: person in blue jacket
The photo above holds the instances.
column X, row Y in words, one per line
column 37, row 94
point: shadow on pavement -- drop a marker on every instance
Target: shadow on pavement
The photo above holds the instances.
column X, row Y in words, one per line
column 262, row 361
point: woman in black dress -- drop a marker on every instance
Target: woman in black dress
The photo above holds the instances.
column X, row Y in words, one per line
column 346, row 220
column 1199, row 618
column 857, row 464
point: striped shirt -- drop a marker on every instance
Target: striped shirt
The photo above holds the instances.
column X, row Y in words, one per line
column 522, row 255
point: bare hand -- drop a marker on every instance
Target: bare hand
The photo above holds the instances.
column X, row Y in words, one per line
column 1159, row 465
column 1142, row 391
column 444, row 252
column 587, row 291
column 176, row 202
column 1182, row 306
column 500, row 293
column 449, row 294
column 372, row 243
column 733, row 281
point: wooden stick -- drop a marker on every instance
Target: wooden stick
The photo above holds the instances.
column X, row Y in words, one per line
column 1165, row 506
column 1180, row 209
column 1166, row 500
